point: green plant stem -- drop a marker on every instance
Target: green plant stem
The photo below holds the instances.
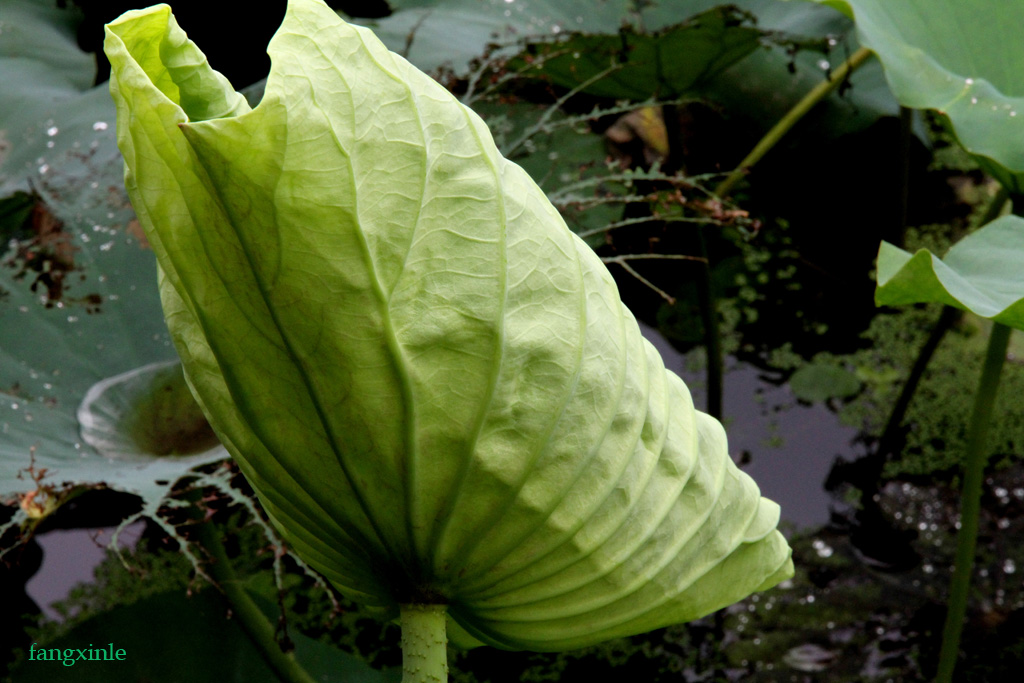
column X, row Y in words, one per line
column 712, row 335
column 906, row 132
column 887, row 442
column 970, row 500
column 251, row 618
column 798, row 111
column 424, row 644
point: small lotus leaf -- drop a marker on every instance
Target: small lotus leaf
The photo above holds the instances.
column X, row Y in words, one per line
column 982, row 274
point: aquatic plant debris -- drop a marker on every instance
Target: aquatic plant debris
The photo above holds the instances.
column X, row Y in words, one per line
column 428, row 379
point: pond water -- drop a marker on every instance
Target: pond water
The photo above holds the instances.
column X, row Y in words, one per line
column 786, row 446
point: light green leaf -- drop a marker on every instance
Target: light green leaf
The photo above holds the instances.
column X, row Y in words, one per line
column 982, row 274
column 960, row 57
column 428, row 379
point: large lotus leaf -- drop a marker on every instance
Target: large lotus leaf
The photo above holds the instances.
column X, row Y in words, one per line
column 960, row 57
column 77, row 307
column 982, row 274
column 428, row 379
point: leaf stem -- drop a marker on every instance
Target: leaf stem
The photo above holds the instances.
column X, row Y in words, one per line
column 712, row 331
column 887, row 443
column 970, row 500
column 251, row 618
column 772, row 137
column 424, row 644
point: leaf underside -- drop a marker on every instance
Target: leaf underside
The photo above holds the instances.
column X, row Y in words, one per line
column 428, row 379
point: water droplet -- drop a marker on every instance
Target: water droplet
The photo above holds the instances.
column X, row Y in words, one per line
column 832, row 42
column 99, row 125
column 44, row 168
column 969, row 81
column 14, row 406
column 72, row 318
column 106, row 245
column 974, row 100
column 50, row 144
column 52, row 130
column 823, row 64
column 1013, row 113
column 556, row 29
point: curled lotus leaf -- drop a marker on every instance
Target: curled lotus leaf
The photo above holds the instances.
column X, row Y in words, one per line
column 430, row 382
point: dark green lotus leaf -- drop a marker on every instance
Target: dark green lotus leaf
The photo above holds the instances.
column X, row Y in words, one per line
column 666, row 63
column 960, row 57
column 77, row 306
column 982, row 273
column 425, row 32
column 770, row 81
column 192, row 640
column 428, row 379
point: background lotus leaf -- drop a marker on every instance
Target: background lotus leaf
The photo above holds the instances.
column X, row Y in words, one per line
column 960, row 57
column 666, row 63
column 77, row 301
